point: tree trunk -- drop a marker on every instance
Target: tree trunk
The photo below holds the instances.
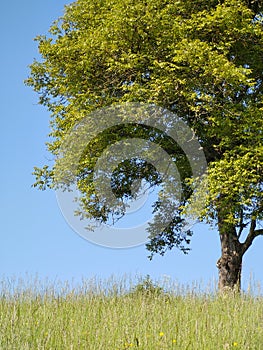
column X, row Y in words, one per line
column 230, row 262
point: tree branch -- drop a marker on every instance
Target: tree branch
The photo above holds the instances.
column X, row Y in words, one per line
column 241, row 224
column 253, row 233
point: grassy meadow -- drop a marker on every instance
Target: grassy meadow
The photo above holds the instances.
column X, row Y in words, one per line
column 118, row 315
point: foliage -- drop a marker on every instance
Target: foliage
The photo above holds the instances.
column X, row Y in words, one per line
column 148, row 288
column 199, row 59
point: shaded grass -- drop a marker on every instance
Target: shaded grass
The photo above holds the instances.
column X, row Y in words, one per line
column 117, row 315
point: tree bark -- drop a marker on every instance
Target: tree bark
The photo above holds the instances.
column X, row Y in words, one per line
column 232, row 252
column 230, row 262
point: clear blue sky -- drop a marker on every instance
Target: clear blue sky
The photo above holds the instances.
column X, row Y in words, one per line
column 35, row 239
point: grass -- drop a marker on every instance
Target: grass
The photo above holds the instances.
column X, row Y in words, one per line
column 120, row 315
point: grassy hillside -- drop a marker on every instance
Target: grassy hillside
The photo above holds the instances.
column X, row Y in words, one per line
column 114, row 317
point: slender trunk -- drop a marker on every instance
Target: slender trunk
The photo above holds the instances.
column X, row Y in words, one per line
column 230, row 262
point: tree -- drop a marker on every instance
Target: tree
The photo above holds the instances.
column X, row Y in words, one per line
column 201, row 60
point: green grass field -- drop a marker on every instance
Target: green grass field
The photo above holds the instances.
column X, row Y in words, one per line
column 116, row 315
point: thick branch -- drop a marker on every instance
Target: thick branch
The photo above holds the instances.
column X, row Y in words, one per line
column 253, row 233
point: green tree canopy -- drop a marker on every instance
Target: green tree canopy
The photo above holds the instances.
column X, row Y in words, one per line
column 201, row 60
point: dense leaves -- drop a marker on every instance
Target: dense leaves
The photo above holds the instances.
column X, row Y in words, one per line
column 199, row 59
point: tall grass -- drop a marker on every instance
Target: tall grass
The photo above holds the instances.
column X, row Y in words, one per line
column 120, row 315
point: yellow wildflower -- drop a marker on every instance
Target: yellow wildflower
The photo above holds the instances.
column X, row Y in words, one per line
column 128, row 345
